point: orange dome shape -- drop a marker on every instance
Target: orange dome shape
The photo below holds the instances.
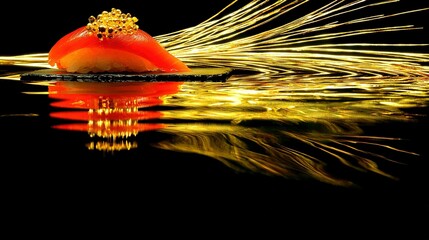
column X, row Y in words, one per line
column 112, row 42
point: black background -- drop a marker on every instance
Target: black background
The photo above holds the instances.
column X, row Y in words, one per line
column 172, row 198
column 34, row 26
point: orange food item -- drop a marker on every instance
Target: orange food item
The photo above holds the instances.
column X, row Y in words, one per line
column 112, row 42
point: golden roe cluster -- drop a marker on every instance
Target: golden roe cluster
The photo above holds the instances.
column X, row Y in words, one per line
column 107, row 24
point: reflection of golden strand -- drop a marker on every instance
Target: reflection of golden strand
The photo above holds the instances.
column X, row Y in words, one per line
column 299, row 127
column 113, row 133
column 106, row 146
column 302, row 99
column 300, row 45
column 289, row 154
column 112, row 128
column 101, row 125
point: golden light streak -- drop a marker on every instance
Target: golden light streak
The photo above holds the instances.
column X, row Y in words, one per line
column 301, row 112
column 237, row 39
column 297, row 45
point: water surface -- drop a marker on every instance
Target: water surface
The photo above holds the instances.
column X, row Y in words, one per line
column 354, row 142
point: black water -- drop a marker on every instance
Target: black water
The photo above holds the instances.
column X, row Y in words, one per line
column 44, row 167
column 246, row 156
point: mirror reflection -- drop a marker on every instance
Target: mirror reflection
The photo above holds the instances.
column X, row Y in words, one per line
column 296, row 128
column 111, row 113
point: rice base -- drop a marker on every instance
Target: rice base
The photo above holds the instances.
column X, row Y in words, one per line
column 96, row 60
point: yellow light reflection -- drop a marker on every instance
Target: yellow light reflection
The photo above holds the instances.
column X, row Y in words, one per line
column 109, row 112
column 299, row 116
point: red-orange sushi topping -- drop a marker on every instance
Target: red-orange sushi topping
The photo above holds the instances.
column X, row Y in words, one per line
column 112, row 42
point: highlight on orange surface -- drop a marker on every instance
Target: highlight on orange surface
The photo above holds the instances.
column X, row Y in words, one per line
column 111, row 113
column 112, row 42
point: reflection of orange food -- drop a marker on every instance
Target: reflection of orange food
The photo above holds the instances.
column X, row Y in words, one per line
column 94, row 95
column 113, row 109
column 112, row 42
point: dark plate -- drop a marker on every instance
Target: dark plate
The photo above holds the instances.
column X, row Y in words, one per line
column 196, row 74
